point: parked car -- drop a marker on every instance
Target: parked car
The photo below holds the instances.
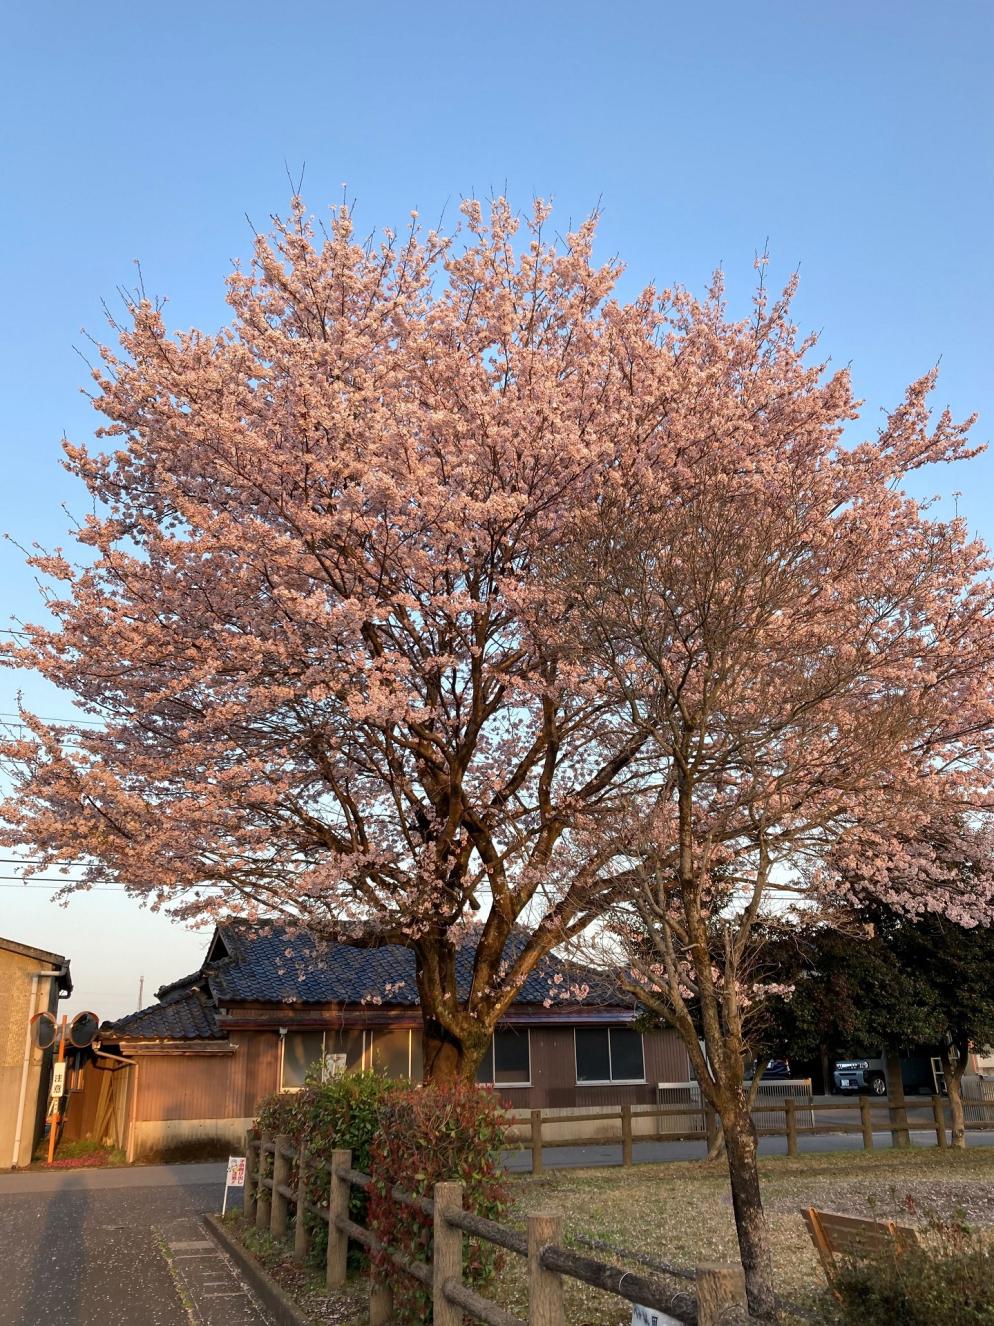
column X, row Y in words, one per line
column 854, row 1075
column 860, row 1075
column 776, row 1068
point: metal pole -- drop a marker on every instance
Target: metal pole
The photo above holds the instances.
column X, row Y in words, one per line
column 53, row 1118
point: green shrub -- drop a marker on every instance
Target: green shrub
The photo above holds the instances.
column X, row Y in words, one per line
column 340, row 1114
column 448, row 1131
column 948, row 1281
column 280, row 1113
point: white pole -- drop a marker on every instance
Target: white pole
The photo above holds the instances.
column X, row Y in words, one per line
column 32, row 1009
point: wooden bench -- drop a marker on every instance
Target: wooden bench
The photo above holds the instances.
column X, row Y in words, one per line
column 837, row 1235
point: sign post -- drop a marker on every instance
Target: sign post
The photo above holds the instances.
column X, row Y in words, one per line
column 235, row 1178
column 58, row 1079
column 47, row 1033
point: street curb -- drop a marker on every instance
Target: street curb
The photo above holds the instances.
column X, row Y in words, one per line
column 280, row 1307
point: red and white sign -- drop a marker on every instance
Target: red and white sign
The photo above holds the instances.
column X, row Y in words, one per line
column 236, row 1172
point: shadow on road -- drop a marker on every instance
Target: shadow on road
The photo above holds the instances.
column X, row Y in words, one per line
column 53, row 1288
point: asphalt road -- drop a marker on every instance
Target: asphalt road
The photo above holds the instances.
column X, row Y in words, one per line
column 579, row 1157
column 86, row 1247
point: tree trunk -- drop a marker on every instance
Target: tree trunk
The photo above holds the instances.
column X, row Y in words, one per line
column 447, row 1058
column 747, row 1203
column 827, row 1081
column 952, row 1071
column 900, row 1137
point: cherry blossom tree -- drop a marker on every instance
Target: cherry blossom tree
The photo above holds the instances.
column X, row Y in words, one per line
column 805, row 650
column 309, row 613
column 921, row 898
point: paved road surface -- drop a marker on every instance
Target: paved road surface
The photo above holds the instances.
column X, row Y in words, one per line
column 87, row 1247
column 576, row 1157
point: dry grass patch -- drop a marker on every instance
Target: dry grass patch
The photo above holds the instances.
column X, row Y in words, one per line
column 682, row 1213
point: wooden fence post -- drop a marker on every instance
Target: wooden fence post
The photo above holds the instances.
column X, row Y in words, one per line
column 249, row 1195
column 380, row 1301
column 718, row 1288
column 446, row 1257
column 545, row 1288
column 626, row 1135
column 338, row 1209
column 866, row 1119
column 536, row 1141
column 301, row 1239
column 263, row 1207
column 790, row 1110
column 281, row 1174
column 939, row 1115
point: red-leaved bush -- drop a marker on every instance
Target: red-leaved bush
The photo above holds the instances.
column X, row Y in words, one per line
column 343, row 1113
column 449, row 1131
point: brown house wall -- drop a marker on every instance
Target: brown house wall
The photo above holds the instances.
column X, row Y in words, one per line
column 210, row 1085
column 188, row 1086
column 554, row 1084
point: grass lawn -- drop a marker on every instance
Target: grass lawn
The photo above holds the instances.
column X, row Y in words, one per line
column 682, row 1213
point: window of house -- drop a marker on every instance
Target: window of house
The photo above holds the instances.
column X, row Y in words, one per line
column 301, row 1051
column 349, row 1042
column 393, row 1051
column 609, row 1054
column 507, row 1062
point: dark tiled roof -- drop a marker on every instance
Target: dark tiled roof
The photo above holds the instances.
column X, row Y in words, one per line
column 271, row 964
column 187, row 1017
column 176, row 989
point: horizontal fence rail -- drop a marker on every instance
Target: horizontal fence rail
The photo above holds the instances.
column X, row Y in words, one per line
column 789, row 1117
column 716, row 1299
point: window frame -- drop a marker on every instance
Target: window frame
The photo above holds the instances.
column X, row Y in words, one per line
column 510, row 1086
column 301, row 1032
column 609, row 1081
column 365, row 1058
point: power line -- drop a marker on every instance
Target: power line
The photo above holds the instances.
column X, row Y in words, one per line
column 53, row 883
column 16, row 718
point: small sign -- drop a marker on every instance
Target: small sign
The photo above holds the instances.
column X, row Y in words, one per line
column 235, row 1178
column 58, row 1080
column 651, row 1317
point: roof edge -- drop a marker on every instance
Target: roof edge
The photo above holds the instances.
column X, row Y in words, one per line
column 29, row 951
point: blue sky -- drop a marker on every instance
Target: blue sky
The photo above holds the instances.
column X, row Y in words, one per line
column 858, row 139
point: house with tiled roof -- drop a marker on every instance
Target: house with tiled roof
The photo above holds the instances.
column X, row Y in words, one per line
column 270, row 1004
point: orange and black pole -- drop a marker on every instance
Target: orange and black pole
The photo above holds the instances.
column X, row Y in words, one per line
column 54, row 1103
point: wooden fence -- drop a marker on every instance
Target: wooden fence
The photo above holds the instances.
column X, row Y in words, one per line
column 874, row 1115
column 718, row 1294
